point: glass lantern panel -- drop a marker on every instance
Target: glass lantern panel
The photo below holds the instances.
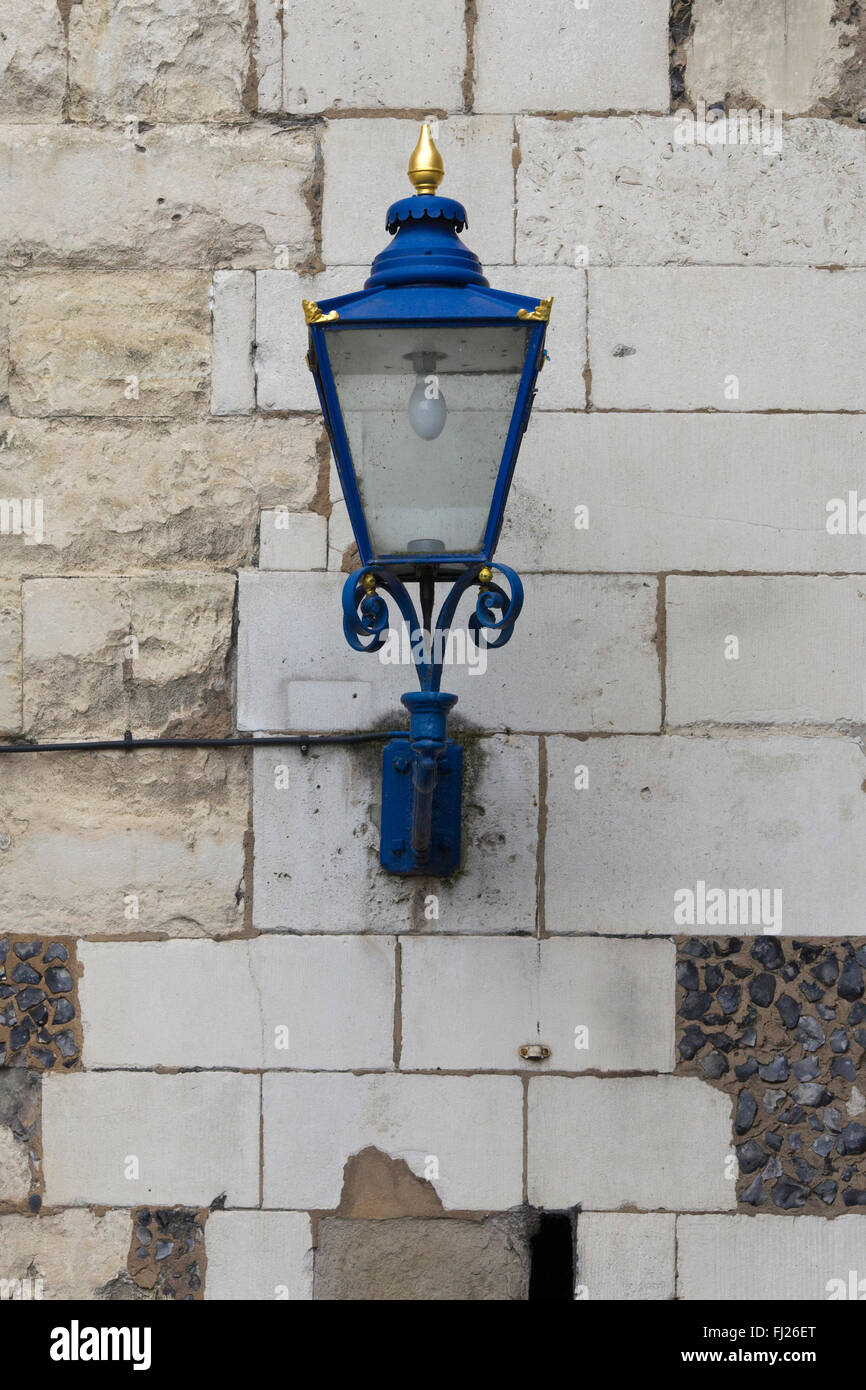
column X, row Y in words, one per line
column 426, row 411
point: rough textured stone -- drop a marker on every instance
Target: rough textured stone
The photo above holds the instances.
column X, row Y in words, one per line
column 318, row 1002
column 174, row 195
column 19, row 1131
column 143, row 654
column 622, row 1256
column 10, row 656
column 679, row 1133
column 73, row 1253
column 32, row 62
column 787, row 337
column 164, row 61
column 375, row 57
column 190, row 1163
column 773, row 54
column 338, row 790
column 629, row 192
column 464, row 1134
column 233, row 383
column 259, row 1254
column 650, row 507
column 417, row 1260
column 559, row 56
column 774, row 621
column 125, row 344
column 148, row 842
column 124, row 496
column 761, row 1257
column 470, row 1003
column 292, row 540
column 659, row 815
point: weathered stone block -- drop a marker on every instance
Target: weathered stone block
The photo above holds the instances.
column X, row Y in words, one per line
column 64, row 1255
column 781, row 339
column 290, row 1001
column 259, row 1255
column 148, row 842
column 173, row 195
column 144, row 654
column 164, row 61
column 658, row 815
column 377, row 57
column 283, row 380
column 20, row 1095
column 172, row 1139
column 122, row 344
column 599, row 1005
column 645, row 1142
column 463, row 1134
column 558, row 57
column 765, row 1257
column 366, row 170
column 769, row 679
column 623, row 1256
column 596, row 632
column 411, row 1259
column 10, row 653
column 292, row 540
column 149, row 495
column 337, row 790
column 651, row 191
column 32, row 62
column 623, row 492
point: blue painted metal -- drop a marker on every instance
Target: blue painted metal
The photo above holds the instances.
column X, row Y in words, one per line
column 426, row 276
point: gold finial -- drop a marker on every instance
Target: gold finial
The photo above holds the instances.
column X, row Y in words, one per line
column 426, row 169
column 541, row 312
column 485, row 576
column 368, row 583
column 313, row 314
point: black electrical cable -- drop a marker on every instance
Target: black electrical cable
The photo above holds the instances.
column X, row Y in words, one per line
column 128, row 744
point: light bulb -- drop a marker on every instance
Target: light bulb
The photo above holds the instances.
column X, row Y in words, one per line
column 427, row 414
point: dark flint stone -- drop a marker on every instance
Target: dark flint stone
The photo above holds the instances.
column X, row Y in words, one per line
column 713, row 976
column 847, row 1174
column 815, row 1124
column 827, row 970
column 734, row 945
column 34, row 1202
column 66, row 1043
column 852, row 1140
column 728, row 998
column 844, row 1067
column 762, row 990
column 746, row 1069
column 696, row 947
column 739, row 972
column 688, row 1050
column 143, row 1235
column 806, row 1070
column 767, row 951
column 8, row 1016
column 714, row 1065
column 28, row 997
column 750, row 1037
column 827, row 1190
column 164, row 1249
column 750, row 1016
column 795, row 1142
column 55, row 952
column 777, row 1070
column 851, row 980
column 26, row 975
column 839, row 1040
column 5, row 991
column 860, row 1035
column 792, row 1116
column 750, row 1156
column 788, row 1195
column 58, row 979
column 809, row 953
column 826, row 1012
column 810, row 1034
column 790, row 970
column 805, row 1172
column 722, row 1042
column 38, row 1013
column 773, row 1169
column 823, row 1145
column 19, row 1035
column 64, row 1011
column 4, row 948
column 860, row 954
column 857, row 1012
column 789, row 1010
column 42, row 1055
column 695, row 1004
column 747, row 1109
column 810, row 991
column 833, row 1119
column 773, row 1141
column 687, row 974
column 144, row 1216
column 854, row 1197
column 812, row 1093
column 754, row 1193
column 25, row 949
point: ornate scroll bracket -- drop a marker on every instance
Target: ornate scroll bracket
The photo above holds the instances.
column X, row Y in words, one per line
column 313, row 314
column 541, row 312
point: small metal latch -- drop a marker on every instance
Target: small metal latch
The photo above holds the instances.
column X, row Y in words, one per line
column 534, row 1052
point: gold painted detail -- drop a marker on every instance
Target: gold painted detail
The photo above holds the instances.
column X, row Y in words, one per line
column 368, row 583
column 485, row 576
column 313, row 314
column 426, row 170
column 541, row 312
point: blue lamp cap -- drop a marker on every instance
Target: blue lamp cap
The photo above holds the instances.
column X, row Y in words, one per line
column 421, row 205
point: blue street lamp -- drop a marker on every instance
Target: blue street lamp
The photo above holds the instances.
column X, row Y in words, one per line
column 426, row 379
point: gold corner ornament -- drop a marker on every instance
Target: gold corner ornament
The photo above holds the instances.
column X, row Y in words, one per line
column 541, row 312
column 313, row 314
column 426, row 169
column 485, row 576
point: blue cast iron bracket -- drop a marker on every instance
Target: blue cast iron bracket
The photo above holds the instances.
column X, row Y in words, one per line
column 422, row 770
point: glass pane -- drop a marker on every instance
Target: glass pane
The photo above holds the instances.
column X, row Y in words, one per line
column 427, row 412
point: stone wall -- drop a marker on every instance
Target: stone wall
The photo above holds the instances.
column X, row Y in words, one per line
column 239, row 1061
